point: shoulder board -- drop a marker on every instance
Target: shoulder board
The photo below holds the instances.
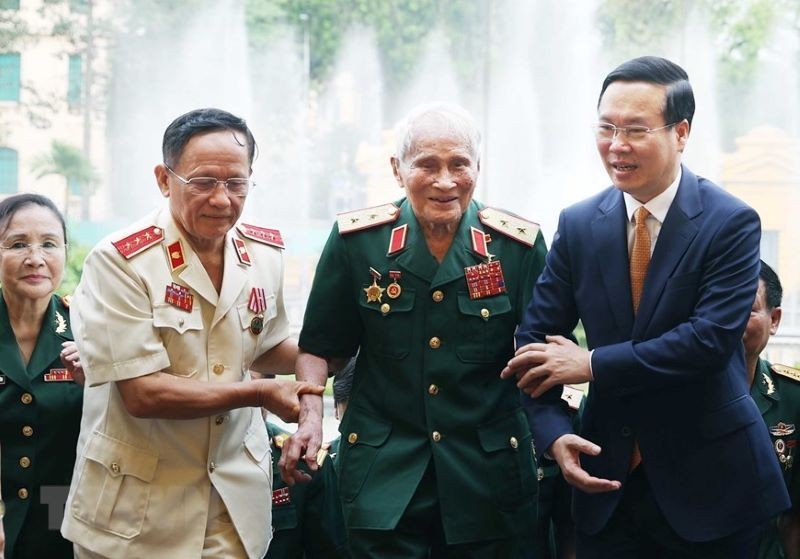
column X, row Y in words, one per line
column 366, row 218
column 510, row 225
column 271, row 237
column 138, row 242
column 786, row 371
column 279, row 439
column 572, row 395
column 65, row 300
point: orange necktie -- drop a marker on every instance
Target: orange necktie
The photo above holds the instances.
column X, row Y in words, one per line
column 640, row 260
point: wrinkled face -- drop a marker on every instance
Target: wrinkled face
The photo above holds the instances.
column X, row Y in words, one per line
column 206, row 218
column 762, row 323
column 644, row 168
column 439, row 174
column 34, row 273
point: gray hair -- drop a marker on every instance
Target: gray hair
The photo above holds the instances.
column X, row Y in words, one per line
column 450, row 118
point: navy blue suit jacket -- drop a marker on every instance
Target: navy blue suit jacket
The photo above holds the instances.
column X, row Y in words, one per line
column 672, row 377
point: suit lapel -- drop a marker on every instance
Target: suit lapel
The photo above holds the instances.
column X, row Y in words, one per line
column 610, row 236
column 677, row 233
column 193, row 275
column 233, row 281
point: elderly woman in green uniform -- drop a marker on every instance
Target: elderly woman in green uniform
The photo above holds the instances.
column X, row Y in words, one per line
column 436, row 454
column 40, row 378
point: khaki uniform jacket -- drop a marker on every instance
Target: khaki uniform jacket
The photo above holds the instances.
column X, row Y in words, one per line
column 141, row 486
column 427, row 381
column 40, row 416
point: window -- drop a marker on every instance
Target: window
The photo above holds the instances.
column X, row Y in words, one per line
column 769, row 248
column 9, row 76
column 8, row 171
column 9, row 4
column 75, row 85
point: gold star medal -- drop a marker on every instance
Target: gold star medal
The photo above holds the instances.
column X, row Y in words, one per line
column 374, row 292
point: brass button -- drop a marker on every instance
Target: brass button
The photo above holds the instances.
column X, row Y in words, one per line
column 218, row 369
column 26, row 398
column 211, row 467
column 433, row 390
column 539, row 474
column 513, row 442
column 25, row 462
column 435, row 342
column 436, row 436
column 385, row 308
column 485, row 313
column 27, row 431
column 352, row 438
column 437, row 296
column 220, row 420
column 22, row 493
column 115, row 467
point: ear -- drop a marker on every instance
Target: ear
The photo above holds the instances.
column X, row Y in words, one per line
column 162, row 176
column 396, row 171
column 775, row 318
column 682, row 129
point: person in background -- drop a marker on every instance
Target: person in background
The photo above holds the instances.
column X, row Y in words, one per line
column 435, row 458
column 170, row 315
column 661, row 269
column 776, row 391
column 41, row 392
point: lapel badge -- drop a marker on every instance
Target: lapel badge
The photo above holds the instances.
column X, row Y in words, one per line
column 782, row 429
column 397, row 240
column 393, row 290
column 485, row 279
column 179, row 296
column 374, row 292
column 768, row 384
column 58, row 375
column 177, row 258
column 61, row 323
column 281, row 496
column 241, row 251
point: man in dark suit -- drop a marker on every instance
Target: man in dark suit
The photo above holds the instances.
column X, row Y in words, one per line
column 673, row 459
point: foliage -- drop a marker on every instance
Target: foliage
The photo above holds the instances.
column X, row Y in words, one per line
column 629, row 26
column 66, row 161
column 76, row 255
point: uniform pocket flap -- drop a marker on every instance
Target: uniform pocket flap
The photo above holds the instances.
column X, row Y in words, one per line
column 246, row 315
column 484, row 308
column 167, row 316
column 121, row 458
column 366, row 430
column 257, row 445
column 732, row 416
column 508, row 432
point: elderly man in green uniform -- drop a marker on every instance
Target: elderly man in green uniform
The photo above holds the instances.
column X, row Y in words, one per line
column 436, row 453
column 307, row 517
column 776, row 390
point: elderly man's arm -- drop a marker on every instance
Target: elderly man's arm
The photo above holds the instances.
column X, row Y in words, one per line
column 306, row 441
column 165, row 396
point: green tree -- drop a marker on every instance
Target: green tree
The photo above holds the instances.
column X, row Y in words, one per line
column 68, row 162
column 76, row 254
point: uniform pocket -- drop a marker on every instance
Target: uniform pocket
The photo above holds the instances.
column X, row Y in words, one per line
column 113, row 490
column 389, row 324
column 508, row 448
column 361, row 442
column 257, row 446
column 485, row 329
column 176, row 328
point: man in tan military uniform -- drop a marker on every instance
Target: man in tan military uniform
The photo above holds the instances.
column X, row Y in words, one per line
column 173, row 456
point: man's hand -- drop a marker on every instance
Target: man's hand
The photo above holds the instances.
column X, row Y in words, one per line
column 71, row 360
column 303, row 444
column 539, row 367
column 282, row 397
column 567, row 450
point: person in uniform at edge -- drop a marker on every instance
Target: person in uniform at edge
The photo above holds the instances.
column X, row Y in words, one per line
column 672, row 459
column 429, row 290
column 776, row 391
column 306, row 517
column 173, row 455
column 41, row 390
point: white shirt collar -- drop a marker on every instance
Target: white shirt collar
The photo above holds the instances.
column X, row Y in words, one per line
column 658, row 206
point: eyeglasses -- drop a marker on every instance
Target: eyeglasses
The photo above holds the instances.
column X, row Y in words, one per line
column 205, row 185
column 605, row 132
column 20, row 248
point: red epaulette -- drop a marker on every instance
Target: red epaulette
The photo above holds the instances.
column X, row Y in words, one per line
column 263, row 235
column 138, row 242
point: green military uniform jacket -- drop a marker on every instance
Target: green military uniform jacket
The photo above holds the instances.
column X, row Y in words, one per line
column 307, row 517
column 427, row 381
column 40, row 415
column 778, row 398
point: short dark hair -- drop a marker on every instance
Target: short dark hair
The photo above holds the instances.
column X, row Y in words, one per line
column 11, row 205
column 772, row 286
column 202, row 121
column 657, row 70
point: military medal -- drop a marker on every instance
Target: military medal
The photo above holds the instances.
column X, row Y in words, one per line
column 393, row 290
column 782, row 429
column 374, row 292
column 179, row 296
column 281, row 496
column 484, row 279
column 257, row 304
column 58, row 375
